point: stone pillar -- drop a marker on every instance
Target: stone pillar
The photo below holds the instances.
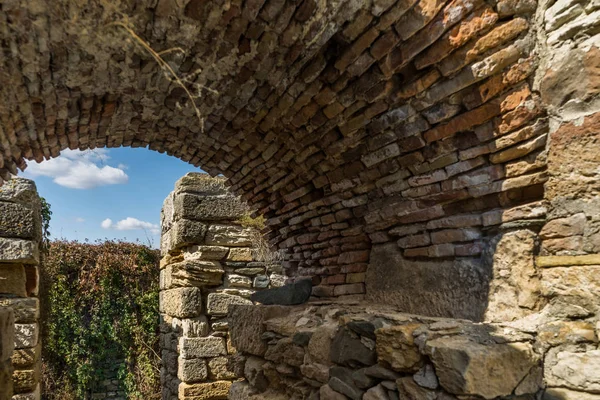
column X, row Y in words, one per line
column 210, row 261
column 569, row 260
column 20, row 239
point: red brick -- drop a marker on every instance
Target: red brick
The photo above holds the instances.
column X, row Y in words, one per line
column 470, row 27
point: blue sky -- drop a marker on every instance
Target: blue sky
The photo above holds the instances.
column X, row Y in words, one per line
column 107, row 193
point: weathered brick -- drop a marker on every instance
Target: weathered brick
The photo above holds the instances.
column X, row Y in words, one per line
column 455, row 235
column 470, row 27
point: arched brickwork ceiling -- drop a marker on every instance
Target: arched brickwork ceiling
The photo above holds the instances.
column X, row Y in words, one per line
column 335, row 118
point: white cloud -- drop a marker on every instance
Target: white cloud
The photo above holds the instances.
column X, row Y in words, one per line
column 80, row 169
column 79, row 219
column 129, row 224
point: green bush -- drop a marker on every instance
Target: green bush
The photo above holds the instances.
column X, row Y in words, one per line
column 100, row 304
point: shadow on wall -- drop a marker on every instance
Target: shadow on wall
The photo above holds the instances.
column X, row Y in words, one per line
column 502, row 283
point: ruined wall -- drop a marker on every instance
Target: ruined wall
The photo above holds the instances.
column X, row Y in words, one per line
column 7, row 346
column 20, row 238
column 210, row 261
column 342, row 351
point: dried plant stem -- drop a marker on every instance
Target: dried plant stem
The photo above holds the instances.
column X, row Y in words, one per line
column 169, row 72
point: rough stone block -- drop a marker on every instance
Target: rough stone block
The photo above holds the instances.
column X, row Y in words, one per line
column 228, row 235
column 26, row 335
column 202, row 347
column 183, row 232
column 25, row 380
column 25, row 309
column 17, row 221
column 213, row 253
column 24, row 358
column 19, row 190
column 219, row 368
column 576, row 371
column 18, row 251
column 235, row 280
column 193, row 370
column 204, row 391
column 218, row 303
column 488, row 370
column 208, row 208
column 181, row 302
column 396, row 347
column 195, row 273
column 246, row 324
column 13, row 280
column 191, row 327
column 202, row 184
column 237, row 254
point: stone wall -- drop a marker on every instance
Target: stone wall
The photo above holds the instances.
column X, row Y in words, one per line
column 7, row 346
column 343, row 351
column 210, row 261
column 20, row 238
column 364, row 131
column 348, row 351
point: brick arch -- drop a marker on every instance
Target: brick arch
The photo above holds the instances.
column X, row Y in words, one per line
column 351, row 125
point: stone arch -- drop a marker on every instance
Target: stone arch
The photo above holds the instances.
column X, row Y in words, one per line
column 430, row 153
column 408, row 130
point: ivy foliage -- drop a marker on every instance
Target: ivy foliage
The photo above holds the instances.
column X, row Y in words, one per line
column 46, row 216
column 100, row 306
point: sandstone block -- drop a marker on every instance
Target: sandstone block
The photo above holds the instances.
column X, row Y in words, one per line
column 202, row 184
column 26, row 335
column 240, row 254
column 211, row 253
column 19, row 251
column 563, row 227
column 191, row 327
column 181, row 302
column 208, row 208
column 183, row 232
column 25, row 380
column 196, row 273
column 201, row 347
column 576, row 371
column 19, row 190
column 219, row 303
column 515, row 288
column 464, row 366
column 235, row 280
column 193, row 370
column 26, row 358
column 228, row 235
column 246, row 324
column 396, row 347
column 13, row 280
column 219, row 368
column 17, row 221
column 204, row 391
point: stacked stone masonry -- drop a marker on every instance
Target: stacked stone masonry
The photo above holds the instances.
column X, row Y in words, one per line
column 210, row 262
column 437, row 156
column 350, row 351
column 347, row 123
column 20, row 239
